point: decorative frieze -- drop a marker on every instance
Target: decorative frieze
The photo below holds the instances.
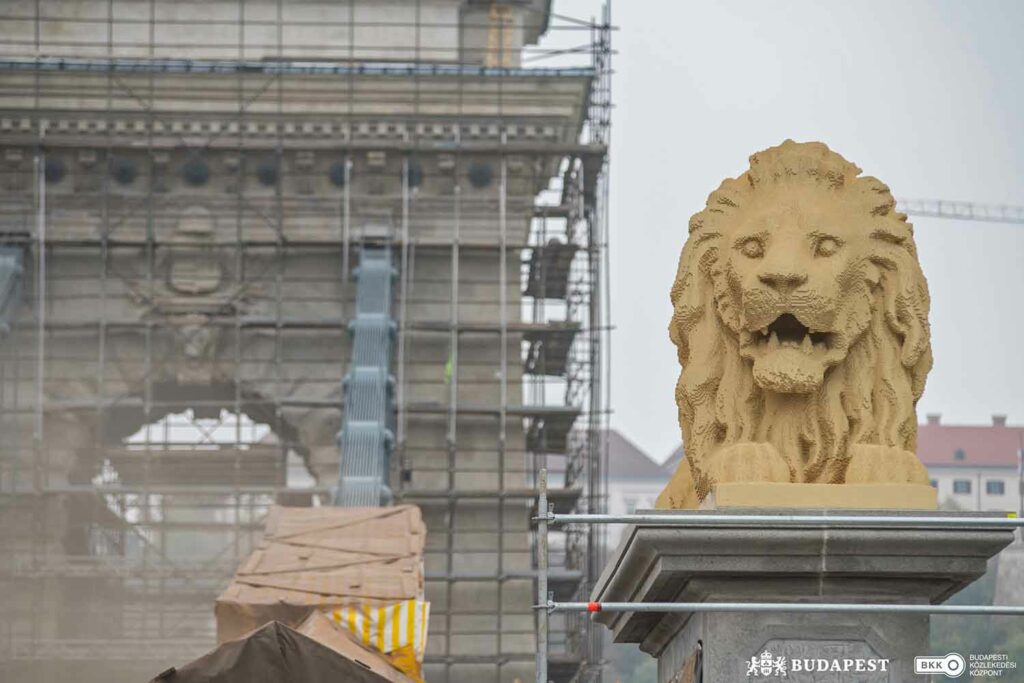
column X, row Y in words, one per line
column 139, row 129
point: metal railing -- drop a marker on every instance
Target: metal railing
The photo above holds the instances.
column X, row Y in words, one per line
column 858, row 608
column 824, row 519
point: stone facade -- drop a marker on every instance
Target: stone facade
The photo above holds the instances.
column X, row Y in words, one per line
column 202, row 223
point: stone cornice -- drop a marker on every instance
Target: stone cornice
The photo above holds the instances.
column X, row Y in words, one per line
column 223, row 132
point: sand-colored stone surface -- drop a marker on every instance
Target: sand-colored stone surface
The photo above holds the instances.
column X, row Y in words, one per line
column 759, row 494
column 800, row 316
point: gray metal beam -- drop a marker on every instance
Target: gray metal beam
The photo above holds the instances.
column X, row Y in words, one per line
column 367, row 437
column 10, row 285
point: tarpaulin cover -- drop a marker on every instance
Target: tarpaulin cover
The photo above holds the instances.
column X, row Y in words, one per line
column 325, row 558
column 274, row 653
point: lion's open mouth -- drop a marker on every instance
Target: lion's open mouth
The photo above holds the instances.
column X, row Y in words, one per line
column 790, row 357
column 788, row 331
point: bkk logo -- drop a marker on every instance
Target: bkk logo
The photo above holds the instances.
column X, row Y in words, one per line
column 953, row 665
column 950, row 666
column 765, row 665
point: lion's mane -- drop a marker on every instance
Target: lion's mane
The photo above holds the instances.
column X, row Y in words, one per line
column 869, row 398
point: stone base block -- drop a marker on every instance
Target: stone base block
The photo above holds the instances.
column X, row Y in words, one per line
column 718, row 562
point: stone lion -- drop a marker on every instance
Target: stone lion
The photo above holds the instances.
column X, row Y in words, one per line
column 800, row 315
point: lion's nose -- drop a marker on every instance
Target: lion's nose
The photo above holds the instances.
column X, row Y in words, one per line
column 783, row 283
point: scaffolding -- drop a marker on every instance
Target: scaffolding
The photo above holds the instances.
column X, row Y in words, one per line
column 188, row 188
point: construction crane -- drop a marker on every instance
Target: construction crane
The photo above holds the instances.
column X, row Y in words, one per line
column 963, row 211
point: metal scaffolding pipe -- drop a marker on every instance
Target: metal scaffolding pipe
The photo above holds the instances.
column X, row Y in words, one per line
column 862, row 608
column 280, row 67
column 804, row 520
column 542, row 580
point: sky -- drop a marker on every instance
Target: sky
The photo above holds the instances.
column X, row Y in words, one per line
column 927, row 96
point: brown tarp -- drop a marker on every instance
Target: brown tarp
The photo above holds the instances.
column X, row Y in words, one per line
column 324, row 558
column 274, row 653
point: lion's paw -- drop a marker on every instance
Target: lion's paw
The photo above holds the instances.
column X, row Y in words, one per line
column 748, row 461
column 875, row 464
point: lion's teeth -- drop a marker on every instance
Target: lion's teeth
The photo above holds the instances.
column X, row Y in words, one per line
column 806, row 345
column 773, row 341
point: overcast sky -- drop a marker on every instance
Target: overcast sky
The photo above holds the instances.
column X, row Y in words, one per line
column 926, row 96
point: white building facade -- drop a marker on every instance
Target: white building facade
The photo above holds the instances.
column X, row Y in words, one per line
column 634, row 480
column 974, row 467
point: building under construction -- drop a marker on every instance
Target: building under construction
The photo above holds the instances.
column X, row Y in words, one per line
column 303, row 252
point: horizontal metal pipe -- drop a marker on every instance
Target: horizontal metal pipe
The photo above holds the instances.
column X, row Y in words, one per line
column 817, row 521
column 777, row 607
column 231, row 66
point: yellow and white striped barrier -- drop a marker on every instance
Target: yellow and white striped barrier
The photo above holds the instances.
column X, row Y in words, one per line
column 398, row 630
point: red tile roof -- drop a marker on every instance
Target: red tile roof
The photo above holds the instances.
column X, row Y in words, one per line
column 982, row 446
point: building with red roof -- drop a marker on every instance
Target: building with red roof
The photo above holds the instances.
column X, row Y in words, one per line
column 974, row 467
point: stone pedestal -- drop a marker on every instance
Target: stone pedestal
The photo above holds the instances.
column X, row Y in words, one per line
column 717, row 563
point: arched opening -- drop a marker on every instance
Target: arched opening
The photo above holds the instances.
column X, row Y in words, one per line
column 179, row 493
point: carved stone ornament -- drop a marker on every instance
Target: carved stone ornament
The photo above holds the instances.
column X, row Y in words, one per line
column 194, row 268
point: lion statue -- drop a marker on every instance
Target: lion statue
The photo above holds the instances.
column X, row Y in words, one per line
column 800, row 315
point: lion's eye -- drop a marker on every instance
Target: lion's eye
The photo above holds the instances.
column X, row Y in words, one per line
column 826, row 246
column 752, row 248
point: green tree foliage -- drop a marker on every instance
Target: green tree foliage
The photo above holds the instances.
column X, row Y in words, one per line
column 627, row 664
column 979, row 634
